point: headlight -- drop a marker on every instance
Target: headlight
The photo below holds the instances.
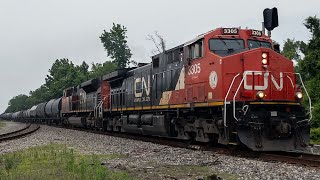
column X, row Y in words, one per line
column 260, row 95
column 299, row 95
column 265, row 58
column 264, row 61
column 264, row 55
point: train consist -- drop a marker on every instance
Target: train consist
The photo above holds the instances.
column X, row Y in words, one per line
column 227, row 86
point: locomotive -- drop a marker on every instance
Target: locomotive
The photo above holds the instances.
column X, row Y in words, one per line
column 227, row 86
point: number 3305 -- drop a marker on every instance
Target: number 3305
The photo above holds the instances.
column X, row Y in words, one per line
column 194, row 69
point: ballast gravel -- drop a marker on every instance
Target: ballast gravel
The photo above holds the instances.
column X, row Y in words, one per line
column 145, row 159
column 11, row 126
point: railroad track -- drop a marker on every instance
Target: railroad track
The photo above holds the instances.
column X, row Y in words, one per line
column 294, row 158
column 30, row 128
column 304, row 159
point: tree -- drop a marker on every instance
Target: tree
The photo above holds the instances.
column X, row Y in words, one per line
column 292, row 49
column 17, row 103
column 39, row 95
column 99, row 69
column 309, row 67
column 84, row 69
column 313, row 24
column 158, row 41
column 64, row 74
column 115, row 43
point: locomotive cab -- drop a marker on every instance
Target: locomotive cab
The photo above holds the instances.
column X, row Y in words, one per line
column 262, row 106
column 258, row 87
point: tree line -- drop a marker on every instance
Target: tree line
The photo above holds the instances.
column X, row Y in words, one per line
column 307, row 56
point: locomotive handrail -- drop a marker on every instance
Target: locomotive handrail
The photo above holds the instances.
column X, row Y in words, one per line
column 290, row 81
column 309, row 99
column 242, row 80
column 235, row 94
column 98, row 107
column 234, row 99
column 225, row 101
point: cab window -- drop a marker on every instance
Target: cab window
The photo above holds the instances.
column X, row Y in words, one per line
column 257, row 44
column 225, row 47
column 195, row 50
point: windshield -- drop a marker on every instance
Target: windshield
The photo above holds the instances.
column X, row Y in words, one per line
column 257, row 44
column 224, row 47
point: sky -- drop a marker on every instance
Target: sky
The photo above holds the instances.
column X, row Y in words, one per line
column 34, row 33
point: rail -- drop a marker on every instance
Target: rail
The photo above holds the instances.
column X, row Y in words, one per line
column 295, row 158
column 310, row 160
column 19, row 130
column 19, row 133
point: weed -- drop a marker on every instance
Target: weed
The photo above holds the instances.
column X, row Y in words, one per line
column 315, row 135
column 55, row 161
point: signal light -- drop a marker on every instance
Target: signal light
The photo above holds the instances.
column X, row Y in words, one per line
column 270, row 17
column 260, row 95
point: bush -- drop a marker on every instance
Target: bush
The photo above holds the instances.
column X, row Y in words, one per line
column 315, row 135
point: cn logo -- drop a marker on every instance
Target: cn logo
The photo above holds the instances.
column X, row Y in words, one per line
column 141, row 84
column 279, row 86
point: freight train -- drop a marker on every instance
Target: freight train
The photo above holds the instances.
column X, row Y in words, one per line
column 228, row 86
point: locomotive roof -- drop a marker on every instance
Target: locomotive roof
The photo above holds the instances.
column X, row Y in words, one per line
column 117, row 73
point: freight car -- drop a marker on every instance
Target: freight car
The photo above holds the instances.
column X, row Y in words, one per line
column 227, row 86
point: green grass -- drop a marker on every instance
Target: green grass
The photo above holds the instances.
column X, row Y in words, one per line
column 315, row 136
column 56, row 161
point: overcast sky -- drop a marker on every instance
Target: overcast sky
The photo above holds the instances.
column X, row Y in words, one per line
column 34, row 33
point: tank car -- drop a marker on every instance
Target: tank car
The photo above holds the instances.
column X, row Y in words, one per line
column 52, row 111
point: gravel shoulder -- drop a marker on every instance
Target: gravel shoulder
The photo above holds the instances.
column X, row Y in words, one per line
column 145, row 160
column 10, row 126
